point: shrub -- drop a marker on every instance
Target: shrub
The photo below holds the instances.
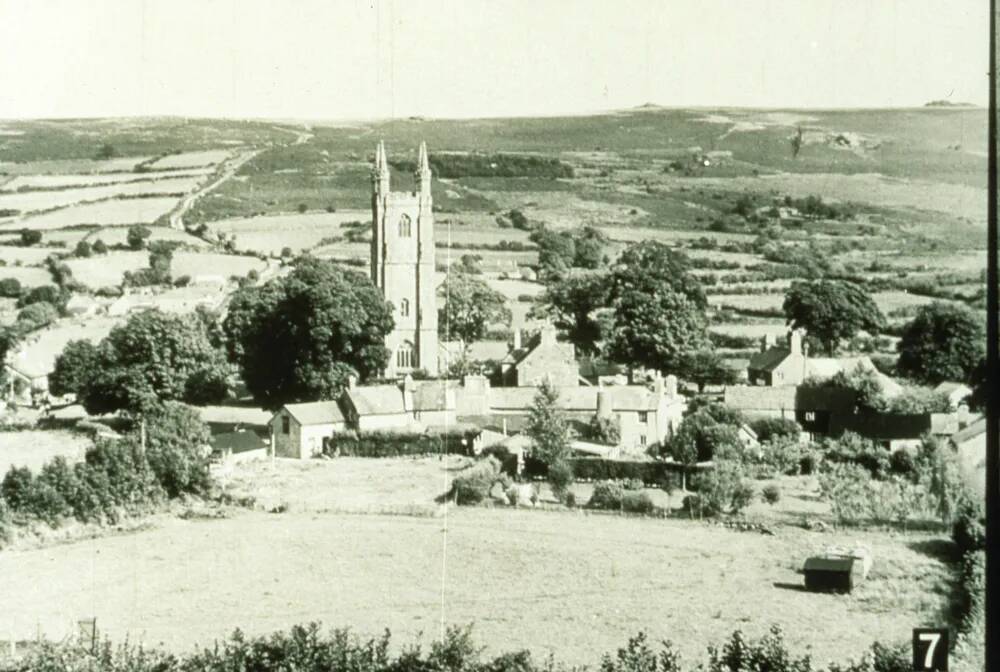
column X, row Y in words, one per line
column 768, row 429
column 771, row 494
column 969, row 529
column 902, row 463
column 99, row 247
column 15, row 487
column 10, row 288
column 30, row 237
column 853, row 449
column 398, row 444
column 724, row 489
column 606, row 430
column 473, row 484
column 83, row 249
column 182, row 281
column 607, row 495
column 570, row 500
column 808, row 463
column 782, row 455
column 638, row 502
column 137, row 236
column 560, row 477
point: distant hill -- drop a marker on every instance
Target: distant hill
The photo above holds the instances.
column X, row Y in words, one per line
column 948, row 103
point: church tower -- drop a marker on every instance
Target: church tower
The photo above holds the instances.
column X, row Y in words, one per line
column 402, row 261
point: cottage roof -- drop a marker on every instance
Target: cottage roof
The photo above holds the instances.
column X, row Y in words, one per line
column 770, row 359
column 622, row 398
column 972, row 431
column 432, row 395
column 315, row 413
column 237, row 442
column 950, row 387
column 376, row 399
column 243, row 415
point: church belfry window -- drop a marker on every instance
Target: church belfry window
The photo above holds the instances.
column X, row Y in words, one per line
column 404, row 226
column 404, row 356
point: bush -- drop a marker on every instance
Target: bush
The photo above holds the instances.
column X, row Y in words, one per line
column 15, row 487
column 30, row 237
column 560, row 477
column 99, row 247
column 638, row 502
column 607, row 495
column 472, row 485
column 83, row 249
column 782, row 455
column 137, row 236
column 850, row 448
column 768, row 429
column 902, row 463
column 648, row 472
column 771, row 494
column 398, row 444
column 570, row 499
column 808, row 463
column 10, row 288
column 969, row 529
column 724, row 489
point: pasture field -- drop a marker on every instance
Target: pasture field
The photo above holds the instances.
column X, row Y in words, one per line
column 67, row 166
column 34, row 447
column 567, row 583
column 298, row 231
column 90, row 179
column 36, row 354
column 103, row 213
column 29, row 201
column 101, row 271
column 29, row 256
column 747, row 301
column 28, row 276
column 191, row 159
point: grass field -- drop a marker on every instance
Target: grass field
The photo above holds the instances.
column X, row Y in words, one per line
column 565, row 583
column 89, row 180
column 191, row 159
column 104, row 213
column 107, row 270
column 28, row 276
column 33, row 448
column 29, row 201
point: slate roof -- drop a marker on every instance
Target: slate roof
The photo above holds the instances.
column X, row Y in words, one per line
column 622, row 397
column 315, row 413
column 433, row 395
column 237, row 442
column 376, row 399
column 770, row 359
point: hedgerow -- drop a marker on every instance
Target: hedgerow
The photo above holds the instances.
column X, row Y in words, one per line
column 400, row 444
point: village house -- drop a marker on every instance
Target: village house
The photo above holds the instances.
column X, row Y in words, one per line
column 304, row 430
column 542, row 357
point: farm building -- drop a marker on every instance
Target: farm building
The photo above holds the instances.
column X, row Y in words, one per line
column 543, row 357
column 304, row 430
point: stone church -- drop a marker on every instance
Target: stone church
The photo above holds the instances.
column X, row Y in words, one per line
column 402, row 265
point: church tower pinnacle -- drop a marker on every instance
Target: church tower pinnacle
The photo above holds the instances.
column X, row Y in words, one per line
column 402, row 265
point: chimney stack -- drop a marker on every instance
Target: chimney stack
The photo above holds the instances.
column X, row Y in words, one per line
column 658, row 389
column 517, row 338
column 548, row 335
column 795, row 341
column 672, row 386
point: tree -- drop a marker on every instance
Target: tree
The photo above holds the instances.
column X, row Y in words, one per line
column 705, row 367
column 137, row 236
column 658, row 308
column 10, row 288
column 36, row 316
column 30, row 237
column 74, row 366
column 556, row 251
column 470, row 307
column 83, row 249
column 550, row 434
column 44, row 294
column 518, row 220
column 175, row 442
column 299, row 337
column 797, row 143
column 148, row 360
column 589, row 249
column 106, row 151
column 831, row 311
column 700, row 438
column 99, row 247
column 571, row 304
column 768, row 429
column 944, row 341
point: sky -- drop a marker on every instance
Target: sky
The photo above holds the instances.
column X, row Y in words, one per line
column 353, row 59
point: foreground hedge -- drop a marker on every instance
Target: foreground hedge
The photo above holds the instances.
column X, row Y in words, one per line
column 308, row 649
column 654, row 474
column 400, row 444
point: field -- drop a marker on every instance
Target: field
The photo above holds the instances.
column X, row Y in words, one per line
column 33, row 448
column 565, row 583
column 104, row 213
column 93, row 179
column 190, row 160
column 28, row 276
column 108, row 270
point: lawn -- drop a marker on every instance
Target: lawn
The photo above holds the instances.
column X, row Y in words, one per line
column 560, row 582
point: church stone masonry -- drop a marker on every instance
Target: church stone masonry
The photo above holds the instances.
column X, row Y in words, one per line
column 402, row 265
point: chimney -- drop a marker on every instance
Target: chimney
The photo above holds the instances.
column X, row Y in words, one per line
column 672, row 386
column 517, row 338
column 658, row 385
column 548, row 335
column 795, row 341
column 603, row 402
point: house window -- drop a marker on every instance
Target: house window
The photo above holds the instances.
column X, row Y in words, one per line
column 643, row 416
column 642, row 439
column 404, row 356
column 810, row 416
column 404, row 226
column 286, row 425
column 404, row 307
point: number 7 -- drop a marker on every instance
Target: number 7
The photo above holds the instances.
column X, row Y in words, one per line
column 933, row 638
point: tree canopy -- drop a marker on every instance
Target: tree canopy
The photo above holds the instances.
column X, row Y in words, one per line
column 705, row 367
column 945, row 341
column 299, row 337
column 571, row 303
column 831, row 311
column 148, row 360
column 658, row 308
column 470, row 307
